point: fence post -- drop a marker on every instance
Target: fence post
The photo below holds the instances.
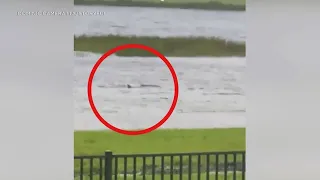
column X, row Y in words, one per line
column 108, row 165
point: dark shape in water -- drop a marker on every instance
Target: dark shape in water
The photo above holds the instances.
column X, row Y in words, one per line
column 149, row 85
column 142, row 86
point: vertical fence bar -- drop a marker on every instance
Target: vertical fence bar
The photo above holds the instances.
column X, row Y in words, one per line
column 108, row 165
column 199, row 166
column 180, row 167
column 135, row 168
column 100, row 169
column 143, row 168
column 234, row 166
column 225, row 166
column 208, row 166
column 171, row 167
column 162, row 167
column 153, row 167
column 125, row 159
column 217, row 166
column 116, row 168
column 81, row 169
column 190, row 167
column 243, row 166
column 91, row 169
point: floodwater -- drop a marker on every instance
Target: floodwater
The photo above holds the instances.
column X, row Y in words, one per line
column 160, row 22
column 210, row 92
column 136, row 92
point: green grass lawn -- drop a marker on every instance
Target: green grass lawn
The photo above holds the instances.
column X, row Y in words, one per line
column 160, row 141
column 236, row 5
column 172, row 46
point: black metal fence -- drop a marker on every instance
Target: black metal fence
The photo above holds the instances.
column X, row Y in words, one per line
column 173, row 166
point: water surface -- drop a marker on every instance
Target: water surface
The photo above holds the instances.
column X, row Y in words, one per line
column 163, row 22
column 210, row 92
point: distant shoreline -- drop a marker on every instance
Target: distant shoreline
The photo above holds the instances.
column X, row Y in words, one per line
column 217, row 6
column 171, row 46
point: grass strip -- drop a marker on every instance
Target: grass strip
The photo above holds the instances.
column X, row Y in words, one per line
column 160, row 141
column 226, row 5
column 170, row 46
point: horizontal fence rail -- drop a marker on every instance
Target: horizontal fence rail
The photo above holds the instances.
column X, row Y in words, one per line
column 169, row 166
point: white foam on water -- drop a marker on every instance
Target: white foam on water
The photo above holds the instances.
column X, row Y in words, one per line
column 211, row 92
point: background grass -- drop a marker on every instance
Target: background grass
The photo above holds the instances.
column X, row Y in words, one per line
column 171, row 46
column 235, row 5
